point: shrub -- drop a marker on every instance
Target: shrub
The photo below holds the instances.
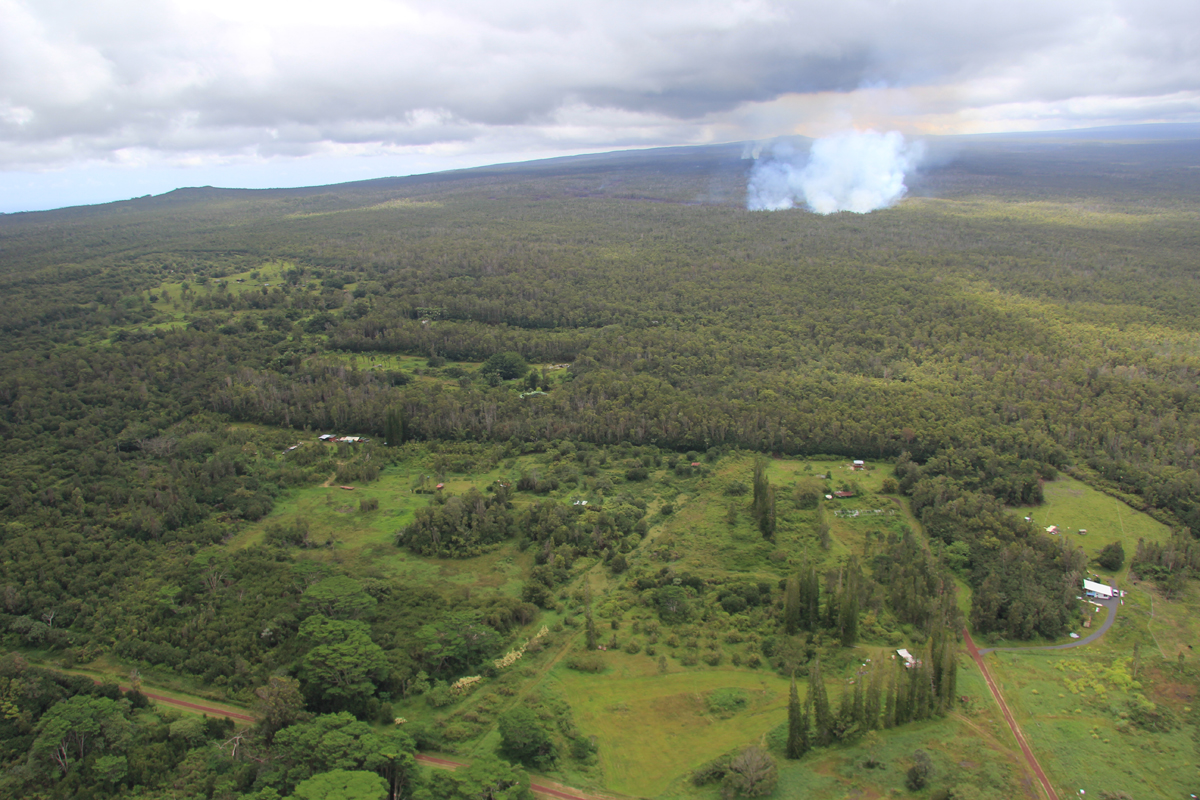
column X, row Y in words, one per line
column 728, row 701
column 587, row 662
column 751, row 773
column 1112, row 557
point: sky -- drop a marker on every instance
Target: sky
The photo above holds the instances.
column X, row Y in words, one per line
column 110, row 99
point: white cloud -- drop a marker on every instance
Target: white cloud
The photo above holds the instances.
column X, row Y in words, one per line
column 182, row 82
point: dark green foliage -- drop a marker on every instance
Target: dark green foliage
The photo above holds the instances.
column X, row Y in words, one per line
column 797, row 725
column 673, row 604
column 1112, row 556
column 508, row 366
column 393, row 427
column 524, row 740
column 489, row 778
column 726, row 702
column 792, row 611
column 818, row 700
column 920, row 772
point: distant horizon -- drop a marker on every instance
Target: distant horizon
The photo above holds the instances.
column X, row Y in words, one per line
column 333, row 172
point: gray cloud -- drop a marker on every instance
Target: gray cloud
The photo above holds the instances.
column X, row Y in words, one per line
column 261, row 78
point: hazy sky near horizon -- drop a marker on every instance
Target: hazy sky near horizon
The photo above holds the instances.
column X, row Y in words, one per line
column 110, row 99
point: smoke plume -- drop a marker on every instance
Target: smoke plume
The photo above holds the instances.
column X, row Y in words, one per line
column 857, row 171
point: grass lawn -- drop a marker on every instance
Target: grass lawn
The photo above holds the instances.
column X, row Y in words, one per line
column 644, row 720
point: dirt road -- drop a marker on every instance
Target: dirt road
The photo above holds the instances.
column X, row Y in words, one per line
column 1008, row 717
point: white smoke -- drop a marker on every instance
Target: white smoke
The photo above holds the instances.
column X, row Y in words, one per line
column 857, row 171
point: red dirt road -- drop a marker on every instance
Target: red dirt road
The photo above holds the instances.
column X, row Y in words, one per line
column 1008, row 717
column 170, row 701
column 212, row 712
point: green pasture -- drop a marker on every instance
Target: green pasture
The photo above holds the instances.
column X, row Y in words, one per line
column 1073, row 707
column 1073, row 505
column 972, row 750
column 644, row 720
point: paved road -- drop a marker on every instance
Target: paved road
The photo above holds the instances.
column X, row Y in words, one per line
column 1112, row 605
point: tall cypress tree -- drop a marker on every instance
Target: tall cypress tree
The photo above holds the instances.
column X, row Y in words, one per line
column 889, row 710
column 766, row 522
column 592, row 639
column 791, row 606
column 797, row 741
column 859, row 711
column 811, row 599
column 760, row 489
column 848, row 612
column 393, row 428
column 819, row 700
column 874, row 701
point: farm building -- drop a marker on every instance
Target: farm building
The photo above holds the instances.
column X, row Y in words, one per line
column 1093, row 589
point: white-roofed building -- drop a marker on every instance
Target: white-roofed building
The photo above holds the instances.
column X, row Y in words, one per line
column 1093, row 589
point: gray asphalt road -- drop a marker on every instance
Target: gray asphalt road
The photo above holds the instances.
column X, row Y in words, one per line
column 1112, row 606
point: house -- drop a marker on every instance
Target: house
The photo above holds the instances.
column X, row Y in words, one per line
column 909, row 661
column 440, row 486
column 1097, row 590
column 326, row 437
column 1052, row 530
column 843, row 494
column 859, row 465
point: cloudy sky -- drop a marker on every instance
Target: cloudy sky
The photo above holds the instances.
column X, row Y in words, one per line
column 108, row 99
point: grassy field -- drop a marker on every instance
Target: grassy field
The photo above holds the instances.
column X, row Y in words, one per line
column 1073, row 505
column 1074, row 707
column 645, row 719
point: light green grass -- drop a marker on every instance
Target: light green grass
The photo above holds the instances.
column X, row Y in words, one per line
column 645, row 721
column 1074, row 732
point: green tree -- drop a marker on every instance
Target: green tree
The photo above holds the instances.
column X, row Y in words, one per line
column 791, row 606
column 819, row 701
column 75, row 728
column 394, row 433
column 848, row 613
column 1112, row 556
column 920, row 772
column 277, row 705
column 506, row 366
column 342, row 784
column 486, row 778
column 524, row 740
column 343, row 660
column 797, row 740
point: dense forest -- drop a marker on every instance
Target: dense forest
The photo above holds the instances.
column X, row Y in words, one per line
column 1030, row 311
